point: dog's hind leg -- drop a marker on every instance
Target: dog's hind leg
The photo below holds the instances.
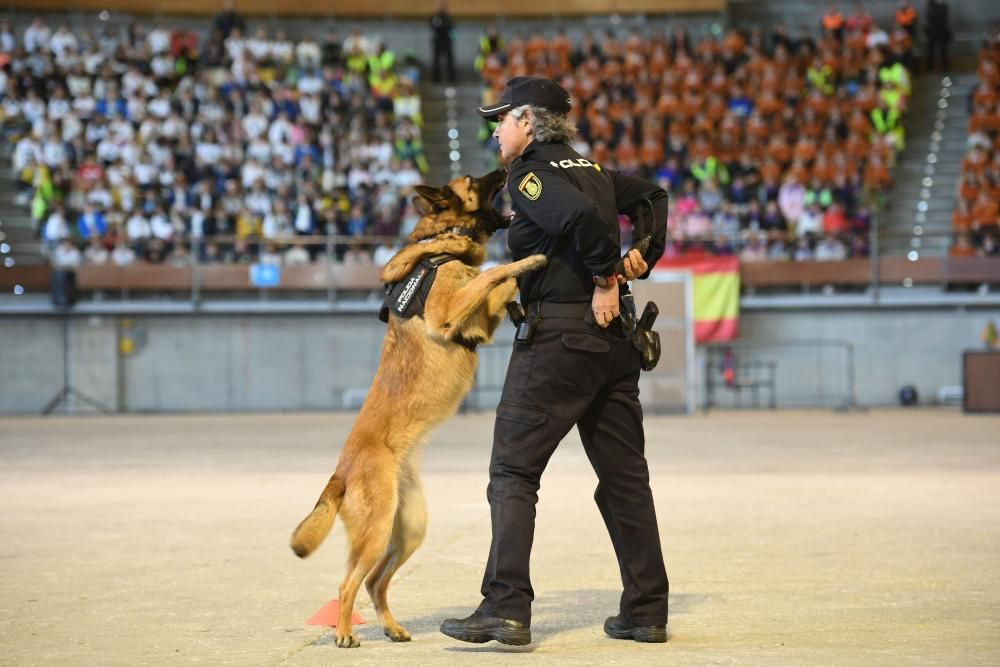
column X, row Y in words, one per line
column 408, row 532
column 368, row 518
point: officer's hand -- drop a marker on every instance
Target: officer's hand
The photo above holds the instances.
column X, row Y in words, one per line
column 635, row 266
column 605, row 304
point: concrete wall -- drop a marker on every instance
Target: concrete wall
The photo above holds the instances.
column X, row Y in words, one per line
column 274, row 362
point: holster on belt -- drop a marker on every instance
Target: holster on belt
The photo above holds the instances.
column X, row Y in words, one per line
column 645, row 339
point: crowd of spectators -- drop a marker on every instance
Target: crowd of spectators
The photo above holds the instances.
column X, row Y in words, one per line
column 976, row 219
column 773, row 146
column 231, row 146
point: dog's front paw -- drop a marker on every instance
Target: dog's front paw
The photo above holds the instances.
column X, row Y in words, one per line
column 533, row 262
column 347, row 640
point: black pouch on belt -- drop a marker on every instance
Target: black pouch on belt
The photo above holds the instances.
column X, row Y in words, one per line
column 645, row 339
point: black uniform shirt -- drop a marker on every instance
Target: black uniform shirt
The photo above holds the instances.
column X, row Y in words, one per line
column 566, row 208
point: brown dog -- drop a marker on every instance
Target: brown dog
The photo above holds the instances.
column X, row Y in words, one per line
column 428, row 365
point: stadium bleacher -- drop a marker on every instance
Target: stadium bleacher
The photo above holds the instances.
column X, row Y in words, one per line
column 773, row 147
column 133, row 145
column 976, row 219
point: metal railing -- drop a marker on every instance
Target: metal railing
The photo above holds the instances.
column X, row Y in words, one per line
column 797, row 373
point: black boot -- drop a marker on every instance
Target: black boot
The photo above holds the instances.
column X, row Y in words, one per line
column 480, row 628
column 617, row 627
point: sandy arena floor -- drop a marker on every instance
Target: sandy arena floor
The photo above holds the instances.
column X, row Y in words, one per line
column 790, row 538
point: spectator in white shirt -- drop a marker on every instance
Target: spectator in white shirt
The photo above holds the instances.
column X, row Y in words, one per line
column 296, row 255
column 36, row 36
column 408, row 176
column 63, row 43
column 357, row 42
column 160, row 227
column 383, row 253
column 803, row 253
column 830, row 250
column 258, row 200
column 56, row 227
column 810, row 222
column 7, row 40
column 280, row 131
column 137, row 229
column 281, row 48
column 277, row 223
column 122, row 255
column 59, row 105
column 305, row 218
column 95, row 253
column 66, row 255
column 259, row 46
column 308, row 53
column 158, row 40
column 254, row 123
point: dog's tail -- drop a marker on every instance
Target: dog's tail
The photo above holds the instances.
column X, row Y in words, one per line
column 315, row 527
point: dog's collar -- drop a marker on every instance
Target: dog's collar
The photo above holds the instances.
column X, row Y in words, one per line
column 461, row 231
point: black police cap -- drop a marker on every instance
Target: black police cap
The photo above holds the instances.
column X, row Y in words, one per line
column 534, row 90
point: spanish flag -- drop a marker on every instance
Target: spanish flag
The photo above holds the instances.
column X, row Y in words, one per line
column 716, row 295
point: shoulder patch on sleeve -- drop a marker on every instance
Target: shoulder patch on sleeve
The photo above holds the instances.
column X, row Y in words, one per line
column 531, row 186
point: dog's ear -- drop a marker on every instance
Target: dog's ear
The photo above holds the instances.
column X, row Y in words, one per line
column 422, row 205
column 438, row 198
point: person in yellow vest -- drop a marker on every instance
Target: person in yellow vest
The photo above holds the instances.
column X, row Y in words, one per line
column 888, row 125
column 710, row 169
column 820, row 77
column 383, row 86
column 895, row 75
column 489, row 43
column 381, row 62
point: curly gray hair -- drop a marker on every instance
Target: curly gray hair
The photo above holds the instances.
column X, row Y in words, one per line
column 547, row 125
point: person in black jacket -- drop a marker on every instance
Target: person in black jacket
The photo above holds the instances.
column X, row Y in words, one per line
column 937, row 27
column 577, row 367
column 441, row 42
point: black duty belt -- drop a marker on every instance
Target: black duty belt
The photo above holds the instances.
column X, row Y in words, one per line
column 547, row 309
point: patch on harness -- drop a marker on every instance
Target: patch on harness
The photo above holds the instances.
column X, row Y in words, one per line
column 407, row 297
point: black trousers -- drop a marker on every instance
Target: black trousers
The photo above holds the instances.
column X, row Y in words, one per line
column 443, row 52
column 573, row 373
column 938, row 48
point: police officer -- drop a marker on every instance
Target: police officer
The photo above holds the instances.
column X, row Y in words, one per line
column 576, row 367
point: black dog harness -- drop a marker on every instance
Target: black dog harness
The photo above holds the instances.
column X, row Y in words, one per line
column 407, row 298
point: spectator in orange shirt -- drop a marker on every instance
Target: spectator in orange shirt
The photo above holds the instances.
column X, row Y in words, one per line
column 985, row 210
column 650, row 154
column 560, row 51
column 988, row 73
column 626, row 155
column 805, row 149
column 969, row 189
column 963, row 246
column 976, row 161
column 778, row 149
column 599, row 152
column 659, row 54
column 960, row 218
column 876, row 176
column 769, row 104
column 833, row 23
column 906, row 18
column 985, row 95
